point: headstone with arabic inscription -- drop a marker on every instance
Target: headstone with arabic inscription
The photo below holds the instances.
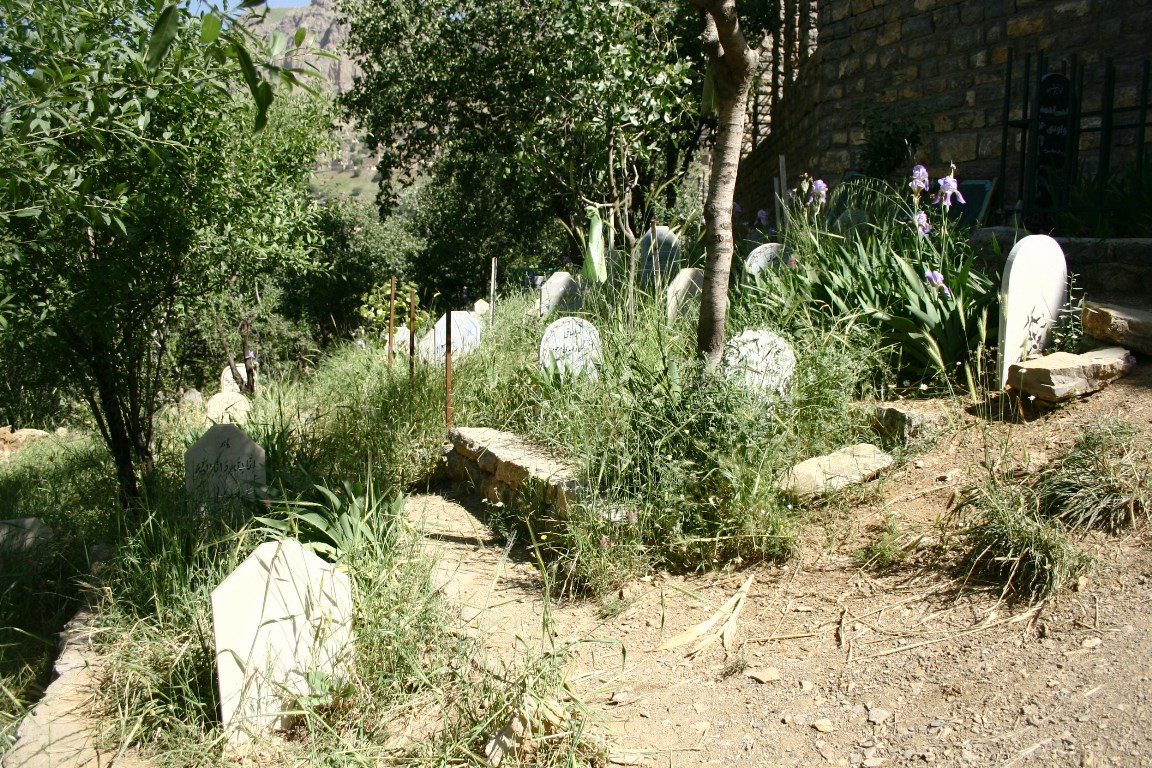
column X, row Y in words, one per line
column 571, row 347
column 224, row 462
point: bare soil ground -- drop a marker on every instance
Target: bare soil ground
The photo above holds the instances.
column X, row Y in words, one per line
column 835, row 663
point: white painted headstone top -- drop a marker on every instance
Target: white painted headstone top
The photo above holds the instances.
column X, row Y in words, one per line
column 466, row 334
column 224, row 462
column 761, row 361
column 1032, row 292
column 761, row 258
column 571, row 346
column 282, row 621
column 560, row 292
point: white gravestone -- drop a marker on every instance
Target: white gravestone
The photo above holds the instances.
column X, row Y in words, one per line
column 282, row 621
column 762, row 258
column 659, row 263
column 1032, row 292
column 560, row 292
column 227, row 408
column 685, row 287
column 466, row 333
column 761, row 361
column 401, row 339
column 224, row 462
column 571, row 346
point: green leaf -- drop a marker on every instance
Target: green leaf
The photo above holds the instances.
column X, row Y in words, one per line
column 210, row 28
column 163, row 35
column 301, row 34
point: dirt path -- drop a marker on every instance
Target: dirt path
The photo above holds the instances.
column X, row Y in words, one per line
column 833, row 664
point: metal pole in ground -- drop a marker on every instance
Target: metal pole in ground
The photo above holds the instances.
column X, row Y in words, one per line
column 447, row 370
column 411, row 333
column 391, row 319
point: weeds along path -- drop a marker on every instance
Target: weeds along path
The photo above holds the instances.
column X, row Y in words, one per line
column 837, row 663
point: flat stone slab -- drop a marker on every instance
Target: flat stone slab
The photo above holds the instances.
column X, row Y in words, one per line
column 501, row 465
column 23, row 535
column 824, row 474
column 1130, row 328
column 1062, row 375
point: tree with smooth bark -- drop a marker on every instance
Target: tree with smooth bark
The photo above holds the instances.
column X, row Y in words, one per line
column 731, row 68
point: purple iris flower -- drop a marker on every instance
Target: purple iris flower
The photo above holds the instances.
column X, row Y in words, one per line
column 921, row 221
column 761, row 218
column 948, row 187
column 919, row 181
column 934, row 279
column 819, row 194
column 361, row 344
column 736, row 209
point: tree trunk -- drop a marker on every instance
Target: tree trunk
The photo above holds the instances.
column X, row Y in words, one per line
column 733, row 64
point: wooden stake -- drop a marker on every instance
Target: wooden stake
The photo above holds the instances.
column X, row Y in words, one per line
column 391, row 319
column 447, row 370
column 411, row 333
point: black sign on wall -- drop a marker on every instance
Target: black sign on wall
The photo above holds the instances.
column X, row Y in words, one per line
column 1054, row 107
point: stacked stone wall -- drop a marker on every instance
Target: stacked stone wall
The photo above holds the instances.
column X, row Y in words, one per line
column 941, row 63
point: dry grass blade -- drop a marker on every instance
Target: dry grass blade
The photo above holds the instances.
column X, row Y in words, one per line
column 726, row 611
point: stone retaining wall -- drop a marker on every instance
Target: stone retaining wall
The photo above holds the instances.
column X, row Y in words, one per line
column 1120, row 266
column 506, row 469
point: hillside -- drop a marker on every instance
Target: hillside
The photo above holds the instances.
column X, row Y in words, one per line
column 321, row 20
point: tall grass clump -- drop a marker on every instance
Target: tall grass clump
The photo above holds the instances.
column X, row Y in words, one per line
column 900, row 266
column 1102, row 481
column 681, row 463
column 1008, row 539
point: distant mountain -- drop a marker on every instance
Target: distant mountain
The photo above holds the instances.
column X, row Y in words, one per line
column 322, row 22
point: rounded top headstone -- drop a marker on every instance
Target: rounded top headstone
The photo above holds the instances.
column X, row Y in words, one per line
column 760, row 360
column 659, row 262
column 762, row 257
column 571, row 347
column 466, row 335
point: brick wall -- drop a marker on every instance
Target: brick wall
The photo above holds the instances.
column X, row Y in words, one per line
column 941, row 62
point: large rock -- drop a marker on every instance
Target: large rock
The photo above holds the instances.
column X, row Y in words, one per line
column 12, row 440
column 1062, row 375
column 824, row 474
column 1131, row 328
column 23, row 536
column 904, row 421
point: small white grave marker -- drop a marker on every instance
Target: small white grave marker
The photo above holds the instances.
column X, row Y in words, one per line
column 224, row 462
column 762, row 257
column 761, row 361
column 685, row 287
column 560, row 292
column 281, row 620
column 1032, row 292
column 659, row 263
column 466, row 333
column 571, row 346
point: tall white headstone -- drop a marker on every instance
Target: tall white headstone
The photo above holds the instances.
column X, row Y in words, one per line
column 466, row 333
column 761, row 361
column 227, row 408
column 224, row 462
column 659, row 263
column 282, row 621
column 1032, row 292
column 560, row 292
column 684, row 287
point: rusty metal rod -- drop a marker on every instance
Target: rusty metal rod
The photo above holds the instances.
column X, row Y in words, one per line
column 391, row 320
